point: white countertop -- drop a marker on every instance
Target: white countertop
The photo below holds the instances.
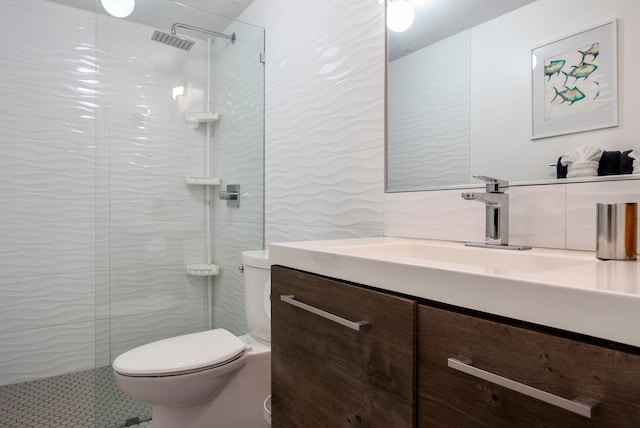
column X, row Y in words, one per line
column 594, row 297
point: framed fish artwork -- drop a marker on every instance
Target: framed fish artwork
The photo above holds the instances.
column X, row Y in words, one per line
column 574, row 83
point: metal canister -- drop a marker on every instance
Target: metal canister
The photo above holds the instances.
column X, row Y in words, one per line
column 616, row 230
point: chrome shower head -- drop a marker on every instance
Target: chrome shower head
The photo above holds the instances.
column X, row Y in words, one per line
column 186, row 44
column 172, row 40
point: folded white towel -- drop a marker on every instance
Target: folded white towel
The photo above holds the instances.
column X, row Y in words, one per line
column 582, row 154
column 635, row 153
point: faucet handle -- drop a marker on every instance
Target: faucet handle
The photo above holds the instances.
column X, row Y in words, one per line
column 493, row 185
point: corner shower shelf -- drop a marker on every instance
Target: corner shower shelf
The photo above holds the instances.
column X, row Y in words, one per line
column 201, row 117
column 203, row 181
column 203, row 270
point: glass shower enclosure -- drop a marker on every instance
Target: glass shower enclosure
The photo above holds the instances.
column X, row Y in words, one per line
column 113, row 151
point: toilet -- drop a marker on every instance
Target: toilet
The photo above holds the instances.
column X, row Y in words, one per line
column 209, row 379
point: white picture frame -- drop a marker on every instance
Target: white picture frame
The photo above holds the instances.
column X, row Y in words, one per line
column 574, row 83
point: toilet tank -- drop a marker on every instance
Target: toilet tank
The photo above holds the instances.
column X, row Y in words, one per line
column 257, row 291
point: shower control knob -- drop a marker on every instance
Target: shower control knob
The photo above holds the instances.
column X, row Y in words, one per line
column 231, row 195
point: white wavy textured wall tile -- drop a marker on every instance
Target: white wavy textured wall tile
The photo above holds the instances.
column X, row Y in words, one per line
column 47, row 185
column 294, row 232
column 46, row 249
column 156, row 220
column 46, row 144
column 30, row 302
column 48, row 34
column 46, row 92
column 51, row 197
column 237, row 158
column 284, row 197
column 136, row 330
column 155, row 198
column 324, row 107
column 134, row 56
column 58, row 349
column 148, row 244
column 344, row 117
column 145, row 289
column 228, row 288
column 142, row 154
column 343, row 191
column 186, row 149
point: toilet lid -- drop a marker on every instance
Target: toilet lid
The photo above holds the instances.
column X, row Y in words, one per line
column 187, row 353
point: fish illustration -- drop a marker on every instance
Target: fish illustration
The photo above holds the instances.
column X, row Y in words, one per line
column 594, row 51
column 568, row 94
column 580, row 71
column 597, row 93
column 554, row 67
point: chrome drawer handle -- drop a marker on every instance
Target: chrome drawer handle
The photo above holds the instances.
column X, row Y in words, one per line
column 583, row 406
column 358, row 325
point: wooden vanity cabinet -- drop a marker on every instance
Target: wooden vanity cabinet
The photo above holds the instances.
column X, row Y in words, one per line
column 326, row 374
column 396, row 372
column 564, row 367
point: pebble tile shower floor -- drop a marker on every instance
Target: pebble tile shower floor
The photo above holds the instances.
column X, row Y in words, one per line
column 86, row 399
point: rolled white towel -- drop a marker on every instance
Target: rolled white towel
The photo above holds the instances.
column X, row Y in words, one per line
column 583, row 169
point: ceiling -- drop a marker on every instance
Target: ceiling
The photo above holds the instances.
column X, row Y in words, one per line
column 161, row 13
column 435, row 19
column 438, row 19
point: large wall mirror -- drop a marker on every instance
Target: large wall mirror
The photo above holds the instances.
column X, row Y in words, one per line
column 459, row 100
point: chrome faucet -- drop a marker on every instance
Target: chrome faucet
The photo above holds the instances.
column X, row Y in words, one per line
column 497, row 213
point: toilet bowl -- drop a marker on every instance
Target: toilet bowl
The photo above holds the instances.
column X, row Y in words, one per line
column 210, row 378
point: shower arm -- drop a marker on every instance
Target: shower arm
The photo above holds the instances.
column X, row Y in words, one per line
column 231, row 37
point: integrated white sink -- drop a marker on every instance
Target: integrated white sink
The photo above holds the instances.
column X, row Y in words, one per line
column 564, row 289
column 495, row 259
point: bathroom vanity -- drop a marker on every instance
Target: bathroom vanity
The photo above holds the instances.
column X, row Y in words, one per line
column 387, row 332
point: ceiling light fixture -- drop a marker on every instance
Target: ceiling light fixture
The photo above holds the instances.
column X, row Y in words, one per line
column 119, row 8
column 400, row 15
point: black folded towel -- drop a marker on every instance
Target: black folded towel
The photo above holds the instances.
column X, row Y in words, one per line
column 561, row 171
column 626, row 163
column 610, row 163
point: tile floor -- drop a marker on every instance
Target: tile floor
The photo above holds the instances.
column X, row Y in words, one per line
column 86, row 399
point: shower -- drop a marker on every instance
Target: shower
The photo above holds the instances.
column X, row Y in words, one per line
column 128, row 183
column 182, row 43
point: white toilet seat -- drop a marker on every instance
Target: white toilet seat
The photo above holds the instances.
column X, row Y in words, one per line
column 183, row 354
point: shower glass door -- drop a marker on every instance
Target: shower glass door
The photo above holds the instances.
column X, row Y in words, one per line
column 174, row 128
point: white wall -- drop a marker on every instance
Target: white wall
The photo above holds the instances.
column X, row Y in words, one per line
column 324, row 117
column 501, row 85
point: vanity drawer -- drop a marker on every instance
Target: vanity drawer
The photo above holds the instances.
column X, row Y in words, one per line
column 563, row 367
column 326, row 374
